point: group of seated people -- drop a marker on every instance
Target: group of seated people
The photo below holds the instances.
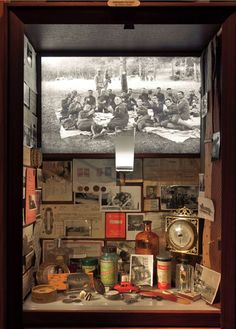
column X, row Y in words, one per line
column 149, row 109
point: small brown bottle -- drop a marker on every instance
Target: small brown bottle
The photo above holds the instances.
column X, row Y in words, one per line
column 147, row 242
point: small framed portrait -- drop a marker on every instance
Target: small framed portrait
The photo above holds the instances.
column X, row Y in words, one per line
column 151, row 192
column 134, row 225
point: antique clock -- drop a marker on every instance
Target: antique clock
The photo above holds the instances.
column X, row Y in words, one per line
column 182, row 232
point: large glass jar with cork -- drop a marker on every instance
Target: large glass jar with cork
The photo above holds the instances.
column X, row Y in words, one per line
column 147, row 242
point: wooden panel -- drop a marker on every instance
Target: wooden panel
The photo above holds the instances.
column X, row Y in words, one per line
column 3, row 164
column 228, row 119
column 14, row 173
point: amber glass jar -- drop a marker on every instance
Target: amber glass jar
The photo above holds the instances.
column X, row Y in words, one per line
column 147, row 242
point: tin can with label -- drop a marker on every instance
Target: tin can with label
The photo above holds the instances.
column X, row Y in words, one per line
column 163, row 272
column 109, row 266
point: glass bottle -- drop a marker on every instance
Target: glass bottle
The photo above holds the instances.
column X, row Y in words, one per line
column 109, row 266
column 184, row 276
column 58, row 252
column 147, row 242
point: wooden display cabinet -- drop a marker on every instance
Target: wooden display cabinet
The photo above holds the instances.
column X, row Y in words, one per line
column 14, row 17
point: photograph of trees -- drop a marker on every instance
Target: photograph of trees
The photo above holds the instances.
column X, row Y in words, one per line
column 87, row 101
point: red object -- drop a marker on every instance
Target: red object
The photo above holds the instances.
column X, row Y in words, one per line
column 115, row 225
column 126, row 287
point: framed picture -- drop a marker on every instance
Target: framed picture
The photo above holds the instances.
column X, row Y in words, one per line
column 134, row 224
column 99, row 85
column 87, row 198
column 93, row 176
column 206, row 282
column 78, row 228
column 30, row 128
column 115, row 225
column 78, row 248
column 141, row 270
column 177, row 196
column 57, row 181
column 152, row 204
column 30, row 200
column 151, row 192
column 26, row 95
column 121, row 198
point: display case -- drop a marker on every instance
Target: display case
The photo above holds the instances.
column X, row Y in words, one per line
column 45, row 24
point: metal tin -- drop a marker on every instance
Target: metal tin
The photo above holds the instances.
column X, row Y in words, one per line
column 163, row 272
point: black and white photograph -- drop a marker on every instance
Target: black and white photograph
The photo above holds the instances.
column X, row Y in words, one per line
column 151, row 192
column 88, row 101
column 125, row 198
column 179, row 196
column 206, row 282
column 78, row 228
column 57, row 181
column 134, row 225
column 27, row 239
column 204, row 105
column 30, row 128
column 141, row 270
column 87, row 198
column 216, row 146
column 26, row 95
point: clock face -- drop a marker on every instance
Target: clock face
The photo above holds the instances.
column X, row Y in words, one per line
column 181, row 235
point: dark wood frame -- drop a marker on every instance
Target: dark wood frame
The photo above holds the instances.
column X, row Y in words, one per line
column 11, row 124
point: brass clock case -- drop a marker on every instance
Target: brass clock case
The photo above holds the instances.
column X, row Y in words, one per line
column 182, row 232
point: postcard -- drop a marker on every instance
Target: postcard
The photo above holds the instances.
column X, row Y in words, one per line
column 93, row 176
column 206, row 208
column 170, row 170
column 30, row 128
column 115, row 225
column 87, row 198
column 78, row 228
column 57, row 181
column 206, row 282
column 141, row 270
column 78, row 248
column 30, row 202
column 178, row 196
column 122, row 198
column 27, row 239
column 55, row 218
column 151, row 204
column 134, row 224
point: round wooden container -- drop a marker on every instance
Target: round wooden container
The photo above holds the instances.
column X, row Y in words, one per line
column 44, row 293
